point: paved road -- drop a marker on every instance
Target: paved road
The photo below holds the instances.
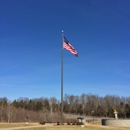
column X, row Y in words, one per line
column 85, row 117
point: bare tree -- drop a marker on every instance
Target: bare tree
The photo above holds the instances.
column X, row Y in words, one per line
column 9, row 111
column 83, row 102
column 53, row 107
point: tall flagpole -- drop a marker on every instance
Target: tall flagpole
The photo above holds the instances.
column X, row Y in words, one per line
column 62, row 78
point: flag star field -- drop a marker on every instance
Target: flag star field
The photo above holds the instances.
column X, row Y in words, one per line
column 31, row 43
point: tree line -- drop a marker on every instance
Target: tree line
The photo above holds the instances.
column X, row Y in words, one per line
column 48, row 109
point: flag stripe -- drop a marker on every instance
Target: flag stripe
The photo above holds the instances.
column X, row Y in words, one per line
column 69, row 47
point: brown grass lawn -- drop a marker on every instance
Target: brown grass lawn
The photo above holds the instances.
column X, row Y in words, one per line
column 10, row 125
column 88, row 127
column 96, row 126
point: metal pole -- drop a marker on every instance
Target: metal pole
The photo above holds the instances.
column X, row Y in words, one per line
column 62, row 78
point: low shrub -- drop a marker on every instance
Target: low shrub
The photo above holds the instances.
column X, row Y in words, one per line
column 79, row 123
column 42, row 123
column 58, row 123
column 68, row 123
column 73, row 123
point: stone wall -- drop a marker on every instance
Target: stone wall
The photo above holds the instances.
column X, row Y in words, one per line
column 113, row 122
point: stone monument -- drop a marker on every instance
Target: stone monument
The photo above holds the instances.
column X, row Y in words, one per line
column 116, row 116
column 116, row 122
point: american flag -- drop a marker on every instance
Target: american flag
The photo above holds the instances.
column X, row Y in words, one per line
column 69, row 47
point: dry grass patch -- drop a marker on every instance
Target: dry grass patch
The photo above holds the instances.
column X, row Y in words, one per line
column 97, row 122
column 10, row 125
column 88, row 127
column 96, row 126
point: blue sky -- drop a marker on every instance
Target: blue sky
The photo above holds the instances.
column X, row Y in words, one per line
column 30, row 47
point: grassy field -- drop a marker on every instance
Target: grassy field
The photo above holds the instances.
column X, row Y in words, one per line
column 10, row 125
column 77, row 128
column 90, row 126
